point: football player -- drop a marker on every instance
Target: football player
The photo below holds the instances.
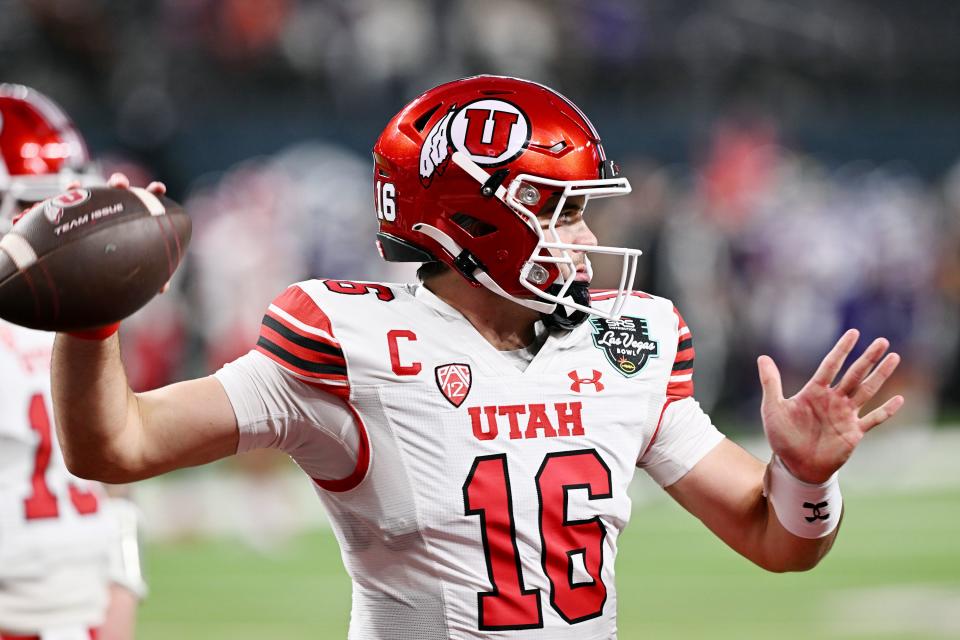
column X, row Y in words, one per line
column 473, row 435
column 68, row 559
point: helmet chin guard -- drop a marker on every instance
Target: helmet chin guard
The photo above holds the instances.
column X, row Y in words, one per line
column 550, row 250
column 564, row 318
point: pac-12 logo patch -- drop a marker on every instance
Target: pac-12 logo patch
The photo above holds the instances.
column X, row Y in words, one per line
column 491, row 132
column 453, row 380
column 626, row 343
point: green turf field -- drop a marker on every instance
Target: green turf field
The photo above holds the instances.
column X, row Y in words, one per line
column 894, row 574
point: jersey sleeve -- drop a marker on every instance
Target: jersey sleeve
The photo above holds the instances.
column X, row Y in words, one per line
column 682, row 438
column 680, row 384
column 291, row 393
column 278, row 411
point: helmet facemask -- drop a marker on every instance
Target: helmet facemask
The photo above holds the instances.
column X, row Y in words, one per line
column 551, row 255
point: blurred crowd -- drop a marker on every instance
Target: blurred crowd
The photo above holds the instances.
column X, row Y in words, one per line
column 794, row 163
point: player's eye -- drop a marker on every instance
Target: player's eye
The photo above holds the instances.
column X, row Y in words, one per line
column 565, row 218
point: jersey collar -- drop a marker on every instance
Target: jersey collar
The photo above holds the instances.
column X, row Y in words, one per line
column 430, row 299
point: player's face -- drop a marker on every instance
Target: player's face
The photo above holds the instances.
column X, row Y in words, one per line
column 571, row 228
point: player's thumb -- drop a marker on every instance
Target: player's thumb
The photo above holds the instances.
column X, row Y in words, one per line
column 769, row 379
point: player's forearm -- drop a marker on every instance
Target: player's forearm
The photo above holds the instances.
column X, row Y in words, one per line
column 802, row 518
column 751, row 528
column 783, row 551
column 759, row 533
column 96, row 412
column 726, row 491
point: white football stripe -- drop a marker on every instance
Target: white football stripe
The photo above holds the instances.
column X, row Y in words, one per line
column 683, row 378
column 19, row 250
column 684, row 331
column 305, row 327
column 150, row 201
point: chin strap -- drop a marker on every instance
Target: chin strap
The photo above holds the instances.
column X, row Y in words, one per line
column 488, row 282
column 475, row 272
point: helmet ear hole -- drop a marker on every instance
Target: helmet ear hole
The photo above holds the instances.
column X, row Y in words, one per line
column 476, row 228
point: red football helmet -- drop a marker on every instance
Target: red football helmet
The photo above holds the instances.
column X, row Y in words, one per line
column 462, row 172
column 41, row 151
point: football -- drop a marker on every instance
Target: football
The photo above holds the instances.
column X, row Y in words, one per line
column 89, row 257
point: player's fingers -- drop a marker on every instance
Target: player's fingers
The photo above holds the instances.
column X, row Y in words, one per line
column 869, row 387
column 157, row 188
column 881, row 414
column 833, row 361
column 73, row 184
column 859, row 369
column 119, row 181
column 769, row 379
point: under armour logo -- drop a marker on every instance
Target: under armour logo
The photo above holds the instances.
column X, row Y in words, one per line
column 816, row 511
column 579, row 380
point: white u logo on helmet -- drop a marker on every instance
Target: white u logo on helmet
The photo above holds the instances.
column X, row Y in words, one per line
column 491, row 132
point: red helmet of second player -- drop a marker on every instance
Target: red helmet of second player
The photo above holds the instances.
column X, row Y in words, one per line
column 41, row 152
column 462, row 173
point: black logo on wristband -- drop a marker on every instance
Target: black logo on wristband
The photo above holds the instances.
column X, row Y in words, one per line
column 816, row 511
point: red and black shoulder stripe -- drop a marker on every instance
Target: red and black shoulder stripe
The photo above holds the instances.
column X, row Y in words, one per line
column 296, row 334
column 681, row 375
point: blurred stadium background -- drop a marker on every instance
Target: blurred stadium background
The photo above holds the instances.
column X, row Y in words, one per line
column 796, row 171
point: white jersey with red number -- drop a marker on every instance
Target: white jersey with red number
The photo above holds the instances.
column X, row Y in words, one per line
column 470, row 499
column 54, row 536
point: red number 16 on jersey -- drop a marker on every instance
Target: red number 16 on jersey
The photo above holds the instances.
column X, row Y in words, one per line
column 486, row 494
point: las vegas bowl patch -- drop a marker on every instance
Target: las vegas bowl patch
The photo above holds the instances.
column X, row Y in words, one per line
column 626, row 342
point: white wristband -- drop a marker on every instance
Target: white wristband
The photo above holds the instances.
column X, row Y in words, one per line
column 805, row 510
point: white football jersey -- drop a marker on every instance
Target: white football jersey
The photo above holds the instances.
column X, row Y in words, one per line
column 54, row 536
column 471, row 499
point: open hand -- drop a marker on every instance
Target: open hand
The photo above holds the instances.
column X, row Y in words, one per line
column 815, row 431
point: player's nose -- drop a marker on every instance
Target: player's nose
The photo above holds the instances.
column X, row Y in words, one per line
column 584, row 235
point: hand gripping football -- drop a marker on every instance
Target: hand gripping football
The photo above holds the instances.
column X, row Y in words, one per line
column 89, row 257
